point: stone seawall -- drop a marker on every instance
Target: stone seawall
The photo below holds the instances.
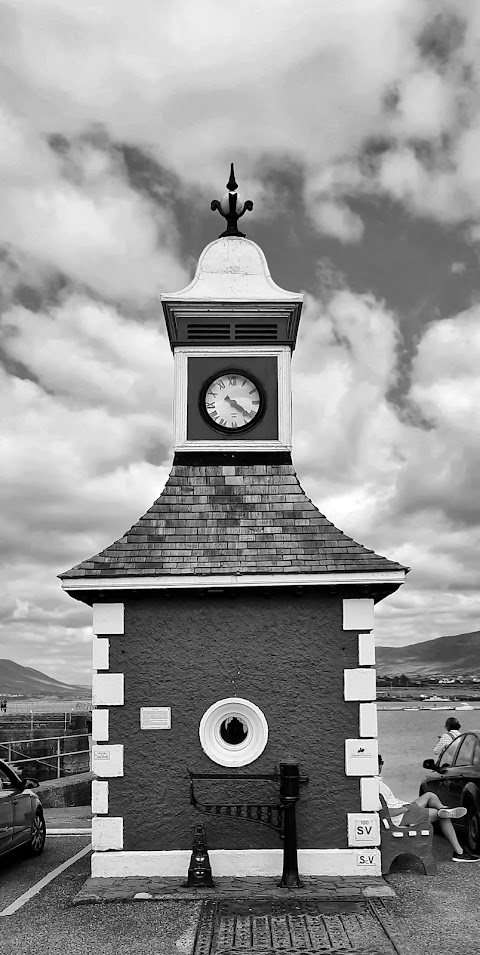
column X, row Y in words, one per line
column 72, row 790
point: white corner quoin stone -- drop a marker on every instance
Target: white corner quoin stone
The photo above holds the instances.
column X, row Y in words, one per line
column 369, row 798
column 99, row 796
column 107, row 833
column 366, row 649
column 358, row 613
column 100, row 726
column 107, row 689
column 363, row 829
column 360, row 684
column 107, row 761
column 100, row 653
column 361, row 757
column 108, row 618
column 368, row 719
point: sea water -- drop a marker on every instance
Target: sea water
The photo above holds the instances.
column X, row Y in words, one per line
column 407, row 737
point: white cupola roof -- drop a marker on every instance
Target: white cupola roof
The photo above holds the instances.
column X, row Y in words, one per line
column 232, row 269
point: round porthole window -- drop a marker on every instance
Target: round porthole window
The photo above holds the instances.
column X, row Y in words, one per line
column 233, row 732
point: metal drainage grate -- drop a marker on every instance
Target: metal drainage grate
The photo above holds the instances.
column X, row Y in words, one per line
column 269, row 928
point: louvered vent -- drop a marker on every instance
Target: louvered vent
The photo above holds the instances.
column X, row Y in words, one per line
column 256, row 332
column 212, row 332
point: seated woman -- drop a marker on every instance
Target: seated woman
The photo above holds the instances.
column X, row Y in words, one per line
column 426, row 808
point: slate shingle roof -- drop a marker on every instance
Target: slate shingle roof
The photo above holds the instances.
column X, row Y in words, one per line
column 231, row 519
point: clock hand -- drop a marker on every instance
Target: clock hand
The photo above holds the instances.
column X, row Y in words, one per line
column 236, row 405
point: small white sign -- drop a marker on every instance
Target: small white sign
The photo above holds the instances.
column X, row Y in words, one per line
column 155, row 717
column 102, row 754
column 368, row 859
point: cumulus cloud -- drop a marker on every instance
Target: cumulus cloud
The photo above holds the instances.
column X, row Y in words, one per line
column 344, row 367
column 405, row 488
column 446, row 389
column 74, row 211
column 361, row 100
column 337, row 220
column 93, row 353
column 317, row 88
column 85, row 447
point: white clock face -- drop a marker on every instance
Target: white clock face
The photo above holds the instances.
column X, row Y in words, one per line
column 232, row 401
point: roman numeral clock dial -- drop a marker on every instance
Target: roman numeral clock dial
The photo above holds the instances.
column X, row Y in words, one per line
column 232, row 401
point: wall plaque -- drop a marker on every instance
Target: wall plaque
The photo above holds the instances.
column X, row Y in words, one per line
column 155, row 717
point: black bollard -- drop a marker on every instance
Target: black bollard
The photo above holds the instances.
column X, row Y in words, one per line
column 289, row 794
column 199, row 870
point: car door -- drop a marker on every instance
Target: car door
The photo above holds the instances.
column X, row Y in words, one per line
column 22, row 816
column 6, row 813
column 459, row 774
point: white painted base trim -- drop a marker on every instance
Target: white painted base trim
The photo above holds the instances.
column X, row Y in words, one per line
column 176, row 581
column 257, row 445
column 237, row 863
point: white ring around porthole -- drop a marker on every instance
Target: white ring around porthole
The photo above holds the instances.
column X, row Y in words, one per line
column 238, row 754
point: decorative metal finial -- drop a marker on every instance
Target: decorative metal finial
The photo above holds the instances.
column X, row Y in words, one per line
column 232, row 186
column 231, row 207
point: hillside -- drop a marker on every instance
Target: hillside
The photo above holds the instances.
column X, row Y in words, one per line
column 17, row 679
column 458, row 655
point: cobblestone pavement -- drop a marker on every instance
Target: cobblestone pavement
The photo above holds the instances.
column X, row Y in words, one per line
column 141, row 889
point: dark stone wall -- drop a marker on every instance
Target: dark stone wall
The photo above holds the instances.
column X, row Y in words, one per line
column 284, row 651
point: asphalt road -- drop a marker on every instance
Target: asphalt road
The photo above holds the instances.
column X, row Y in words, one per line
column 437, row 914
column 48, row 924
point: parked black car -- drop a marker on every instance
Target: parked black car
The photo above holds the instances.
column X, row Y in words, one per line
column 455, row 778
column 21, row 814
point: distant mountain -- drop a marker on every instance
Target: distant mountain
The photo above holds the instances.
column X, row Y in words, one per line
column 445, row 656
column 23, row 680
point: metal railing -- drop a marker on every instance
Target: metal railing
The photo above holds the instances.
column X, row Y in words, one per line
column 34, row 721
column 47, row 706
column 51, row 760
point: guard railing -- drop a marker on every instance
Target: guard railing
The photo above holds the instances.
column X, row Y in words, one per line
column 11, row 753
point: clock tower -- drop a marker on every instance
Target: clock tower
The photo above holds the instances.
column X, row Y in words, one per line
column 232, row 624
column 232, row 331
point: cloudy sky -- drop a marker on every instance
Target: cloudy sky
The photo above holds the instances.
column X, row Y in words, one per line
column 355, row 129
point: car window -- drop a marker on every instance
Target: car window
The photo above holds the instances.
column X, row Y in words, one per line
column 450, row 752
column 465, row 753
column 476, row 755
column 6, row 781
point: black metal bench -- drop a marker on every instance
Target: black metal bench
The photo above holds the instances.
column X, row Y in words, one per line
column 405, row 840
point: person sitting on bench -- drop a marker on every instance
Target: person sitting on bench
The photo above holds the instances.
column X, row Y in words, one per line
column 426, row 808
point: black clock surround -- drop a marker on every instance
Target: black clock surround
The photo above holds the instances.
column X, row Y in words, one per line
column 262, row 370
column 237, row 373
